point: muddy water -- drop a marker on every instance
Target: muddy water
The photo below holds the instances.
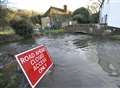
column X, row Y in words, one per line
column 81, row 61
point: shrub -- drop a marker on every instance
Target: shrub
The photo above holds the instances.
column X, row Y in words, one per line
column 22, row 27
column 94, row 18
column 81, row 15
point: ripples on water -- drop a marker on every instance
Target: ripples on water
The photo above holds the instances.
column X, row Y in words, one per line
column 81, row 61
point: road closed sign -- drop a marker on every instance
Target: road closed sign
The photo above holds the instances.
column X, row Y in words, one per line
column 34, row 63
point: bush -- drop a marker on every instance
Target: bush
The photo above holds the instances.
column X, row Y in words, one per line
column 81, row 15
column 94, row 18
column 22, row 27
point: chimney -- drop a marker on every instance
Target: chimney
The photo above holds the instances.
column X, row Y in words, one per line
column 65, row 8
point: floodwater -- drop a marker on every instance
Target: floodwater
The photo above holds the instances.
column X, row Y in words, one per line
column 81, row 61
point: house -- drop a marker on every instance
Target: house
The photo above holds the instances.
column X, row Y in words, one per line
column 55, row 10
column 45, row 21
column 56, row 17
column 110, row 14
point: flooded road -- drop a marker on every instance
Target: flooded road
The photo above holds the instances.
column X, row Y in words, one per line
column 81, row 61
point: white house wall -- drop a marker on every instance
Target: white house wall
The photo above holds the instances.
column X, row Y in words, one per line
column 104, row 11
column 114, row 14
column 111, row 9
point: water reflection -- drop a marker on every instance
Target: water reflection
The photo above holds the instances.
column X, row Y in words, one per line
column 109, row 56
column 106, row 53
column 78, row 61
column 81, row 43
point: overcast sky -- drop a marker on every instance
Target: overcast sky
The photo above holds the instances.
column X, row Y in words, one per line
column 43, row 5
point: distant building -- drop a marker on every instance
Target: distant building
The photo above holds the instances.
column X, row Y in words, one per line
column 45, row 21
column 57, row 16
column 54, row 11
column 69, row 23
column 109, row 13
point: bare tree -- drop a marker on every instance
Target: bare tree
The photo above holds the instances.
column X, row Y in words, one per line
column 95, row 5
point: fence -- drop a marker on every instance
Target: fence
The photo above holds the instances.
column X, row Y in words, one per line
column 86, row 28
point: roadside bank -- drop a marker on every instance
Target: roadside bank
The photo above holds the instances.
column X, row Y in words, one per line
column 9, row 38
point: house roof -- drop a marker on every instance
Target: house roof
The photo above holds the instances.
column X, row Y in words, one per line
column 57, row 10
